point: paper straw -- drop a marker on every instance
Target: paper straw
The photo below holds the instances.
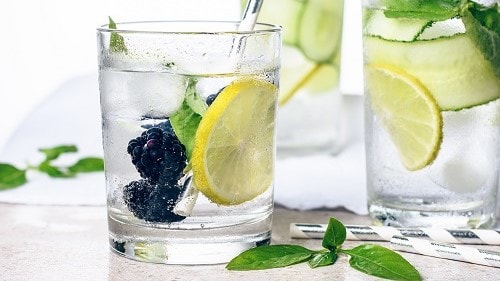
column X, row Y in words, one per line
column 385, row 233
column 445, row 251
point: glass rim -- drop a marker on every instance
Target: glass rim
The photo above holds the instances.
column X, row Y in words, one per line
column 263, row 27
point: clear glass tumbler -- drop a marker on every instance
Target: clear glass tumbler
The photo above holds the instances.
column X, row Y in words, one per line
column 188, row 112
column 432, row 113
column 309, row 101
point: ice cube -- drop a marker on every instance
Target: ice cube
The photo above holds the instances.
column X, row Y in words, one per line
column 462, row 176
column 156, row 95
column 117, row 134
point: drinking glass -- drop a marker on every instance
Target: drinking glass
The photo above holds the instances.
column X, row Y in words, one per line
column 188, row 124
column 432, row 114
column 309, row 100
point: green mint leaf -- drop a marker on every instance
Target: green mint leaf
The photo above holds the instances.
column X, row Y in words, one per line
column 483, row 26
column 87, row 165
column 11, row 177
column 381, row 262
column 193, row 99
column 54, row 152
column 185, row 122
column 322, row 259
column 117, row 43
column 53, row 171
column 335, row 234
column 434, row 10
column 266, row 257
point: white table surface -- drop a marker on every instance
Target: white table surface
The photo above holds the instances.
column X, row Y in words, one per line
column 70, row 243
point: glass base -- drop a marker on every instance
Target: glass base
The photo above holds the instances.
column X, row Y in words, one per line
column 192, row 253
column 414, row 217
column 192, row 244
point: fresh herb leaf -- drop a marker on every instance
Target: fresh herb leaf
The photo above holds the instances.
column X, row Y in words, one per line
column 335, row 234
column 433, row 10
column 266, row 257
column 87, row 165
column 54, row 152
column 483, row 26
column 53, row 171
column 117, row 43
column 185, row 122
column 370, row 259
column 322, row 259
column 11, row 177
column 193, row 99
column 381, row 262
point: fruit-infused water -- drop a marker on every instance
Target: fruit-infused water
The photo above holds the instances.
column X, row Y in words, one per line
column 309, row 101
column 188, row 135
column 432, row 113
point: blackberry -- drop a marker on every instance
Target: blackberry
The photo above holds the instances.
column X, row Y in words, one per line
column 152, row 202
column 158, row 155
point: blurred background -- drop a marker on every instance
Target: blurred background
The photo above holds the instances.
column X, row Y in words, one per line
column 47, row 43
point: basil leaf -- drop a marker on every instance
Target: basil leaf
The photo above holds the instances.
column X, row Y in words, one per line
column 11, row 177
column 87, row 165
column 54, row 172
column 54, row 152
column 381, row 262
column 185, row 122
column 483, row 26
column 265, row 257
column 322, row 259
column 335, row 234
column 433, row 10
column 193, row 99
column 116, row 42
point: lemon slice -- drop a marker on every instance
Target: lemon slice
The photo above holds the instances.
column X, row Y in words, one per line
column 408, row 113
column 233, row 152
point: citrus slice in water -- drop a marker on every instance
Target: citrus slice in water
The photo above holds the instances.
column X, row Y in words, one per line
column 233, row 152
column 453, row 69
column 408, row 112
column 320, row 29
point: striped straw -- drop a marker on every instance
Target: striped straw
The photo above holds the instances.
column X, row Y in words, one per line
column 385, row 233
column 446, row 251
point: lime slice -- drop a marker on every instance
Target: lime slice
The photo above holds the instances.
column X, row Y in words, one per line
column 453, row 69
column 233, row 152
column 320, row 29
column 408, row 112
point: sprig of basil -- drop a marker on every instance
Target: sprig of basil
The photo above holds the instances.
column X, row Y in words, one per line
column 12, row 177
column 371, row 259
column 186, row 120
column 116, row 41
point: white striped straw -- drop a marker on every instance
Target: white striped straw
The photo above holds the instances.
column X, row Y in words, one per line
column 385, row 233
column 446, row 251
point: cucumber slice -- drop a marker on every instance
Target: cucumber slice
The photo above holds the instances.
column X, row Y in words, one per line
column 452, row 68
column 320, row 29
column 397, row 29
column 285, row 13
column 440, row 29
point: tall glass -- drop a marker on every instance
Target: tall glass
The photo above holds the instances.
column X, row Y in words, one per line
column 309, row 100
column 432, row 113
column 188, row 114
